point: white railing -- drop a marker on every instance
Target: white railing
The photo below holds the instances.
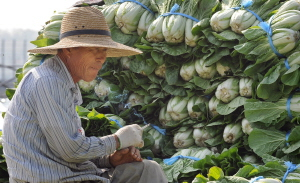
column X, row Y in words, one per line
column 13, row 56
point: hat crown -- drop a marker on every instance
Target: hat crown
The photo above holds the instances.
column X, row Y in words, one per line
column 84, row 18
column 86, row 27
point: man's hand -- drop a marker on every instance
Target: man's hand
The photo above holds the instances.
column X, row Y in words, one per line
column 126, row 155
column 130, row 135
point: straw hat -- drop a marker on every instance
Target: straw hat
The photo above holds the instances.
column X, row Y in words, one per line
column 86, row 27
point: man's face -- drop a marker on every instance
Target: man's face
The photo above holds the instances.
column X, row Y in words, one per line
column 84, row 62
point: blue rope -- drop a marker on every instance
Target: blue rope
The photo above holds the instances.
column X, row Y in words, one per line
column 268, row 29
column 43, row 59
column 160, row 130
column 287, row 135
column 273, row 47
column 117, row 122
column 172, row 160
column 256, row 15
column 173, row 12
column 139, row 3
column 290, row 168
column 286, row 63
column 256, row 179
column 288, row 103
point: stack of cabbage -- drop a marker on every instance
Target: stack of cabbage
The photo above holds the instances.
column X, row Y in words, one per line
column 217, row 78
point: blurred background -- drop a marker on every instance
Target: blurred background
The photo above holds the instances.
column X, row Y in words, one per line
column 20, row 23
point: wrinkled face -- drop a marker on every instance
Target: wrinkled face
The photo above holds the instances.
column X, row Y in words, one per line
column 85, row 62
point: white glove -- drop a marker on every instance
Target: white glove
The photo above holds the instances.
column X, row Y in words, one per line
column 130, row 135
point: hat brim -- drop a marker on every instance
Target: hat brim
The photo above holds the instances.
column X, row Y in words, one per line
column 114, row 49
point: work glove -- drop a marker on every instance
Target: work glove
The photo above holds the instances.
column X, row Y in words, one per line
column 130, row 135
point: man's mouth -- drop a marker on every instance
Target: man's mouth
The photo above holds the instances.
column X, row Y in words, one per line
column 94, row 68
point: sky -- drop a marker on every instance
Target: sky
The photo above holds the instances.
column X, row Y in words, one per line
column 30, row 14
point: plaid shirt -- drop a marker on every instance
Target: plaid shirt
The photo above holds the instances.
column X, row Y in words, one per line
column 42, row 136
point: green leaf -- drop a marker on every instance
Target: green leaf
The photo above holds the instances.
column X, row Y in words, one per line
column 82, row 111
column 291, row 148
column 215, row 173
column 265, row 141
column 217, row 140
column 236, row 179
column 10, row 92
column 211, row 38
column 172, row 171
column 44, row 42
column 221, row 52
column 292, row 76
column 94, row 115
column 262, row 111
column 146, row 153
column 173, row 89
column 294, row 135
column 157, row 57
column 202, row 83
column 4, row 179
column 214, row 86
column 229, row 161
column 200, row 179
column 175, row 50
column 19, row 75
column 254, row 33
column 148, row 140
column 3, row 114
column 119, row 36
column 268, row 87
column 227, row 35
column 172, row 75
column 270, row 169
column 116, row 94
column 146, row 65
column 199, row 26
column 253, row 69
column 144, row 47
column 225, row 109
column 245, row 171
column 293, row 141
column 245, row 48
column 94, row 104
column 168, row 148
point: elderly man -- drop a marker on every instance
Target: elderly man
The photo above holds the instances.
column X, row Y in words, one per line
column 42, row 136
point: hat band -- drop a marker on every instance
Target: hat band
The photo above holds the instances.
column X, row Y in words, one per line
column 85, row 31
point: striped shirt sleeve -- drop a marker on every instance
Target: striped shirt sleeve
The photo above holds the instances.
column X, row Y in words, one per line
column 60, row 123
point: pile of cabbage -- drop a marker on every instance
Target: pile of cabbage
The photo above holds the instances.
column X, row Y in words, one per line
column 217, row 82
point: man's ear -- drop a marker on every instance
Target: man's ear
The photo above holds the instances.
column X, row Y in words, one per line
column 66, row 52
